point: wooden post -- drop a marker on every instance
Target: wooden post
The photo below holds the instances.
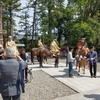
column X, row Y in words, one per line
column 1, row 30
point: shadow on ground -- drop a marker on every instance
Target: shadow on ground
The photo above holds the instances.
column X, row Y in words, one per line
column 93, row 96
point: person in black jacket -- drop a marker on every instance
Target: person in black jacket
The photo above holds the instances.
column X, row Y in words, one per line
column 24, row 57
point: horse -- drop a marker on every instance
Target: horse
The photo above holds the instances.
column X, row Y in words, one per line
column 34, row 52
column 81, row 60
column 44, row 53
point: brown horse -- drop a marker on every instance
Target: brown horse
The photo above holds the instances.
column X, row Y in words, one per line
column 44, row 53
column 81, row 60
column 34, row 52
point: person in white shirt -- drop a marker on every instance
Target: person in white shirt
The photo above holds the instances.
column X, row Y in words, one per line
column 70, row 61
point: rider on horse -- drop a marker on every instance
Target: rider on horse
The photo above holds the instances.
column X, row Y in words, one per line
column 55, row 49
column 82, row 45
column 40, row 44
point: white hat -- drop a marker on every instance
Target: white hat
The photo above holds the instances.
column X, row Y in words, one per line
column 10, row 36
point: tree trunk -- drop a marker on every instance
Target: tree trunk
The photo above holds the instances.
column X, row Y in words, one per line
column 33, row 26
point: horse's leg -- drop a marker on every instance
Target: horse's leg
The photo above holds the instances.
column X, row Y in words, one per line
column 40, row 60
column 56, row 61
column 83, row 69
column 79, row 65
column 46, row 59
column 32, row 58
column 84, row 64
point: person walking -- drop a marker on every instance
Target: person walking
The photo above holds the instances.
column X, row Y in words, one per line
column 70, row 61
column 92, row 59
column 11, row 76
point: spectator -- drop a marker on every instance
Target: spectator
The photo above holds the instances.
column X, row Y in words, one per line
column 92, row 58
column 23, row 55
column 70, row 61
column 11, row 79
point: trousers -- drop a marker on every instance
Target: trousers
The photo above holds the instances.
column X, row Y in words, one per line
column 16, row 97
column 93, row 68
column 70, row 68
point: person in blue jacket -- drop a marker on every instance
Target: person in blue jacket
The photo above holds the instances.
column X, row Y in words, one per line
column 92, row 59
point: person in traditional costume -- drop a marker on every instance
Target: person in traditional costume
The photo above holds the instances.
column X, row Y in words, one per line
column 12, row 44
column 54, row 47
column 82, row 42
column 40, row 44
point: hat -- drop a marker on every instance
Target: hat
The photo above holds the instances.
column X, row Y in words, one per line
column 83, row 37
column 55, row 39
column 10, row 36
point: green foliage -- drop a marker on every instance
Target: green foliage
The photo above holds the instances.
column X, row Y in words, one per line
column 46, row 38
column 83, row 28
column 52, row 19
column 10, row 7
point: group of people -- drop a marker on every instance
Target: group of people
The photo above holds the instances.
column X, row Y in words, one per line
column 13, row 65
column 84, row 56
column 13, row 71
column 90, row 57
column 54, row 48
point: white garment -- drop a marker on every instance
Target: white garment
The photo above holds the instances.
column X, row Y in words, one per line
column 70, row 57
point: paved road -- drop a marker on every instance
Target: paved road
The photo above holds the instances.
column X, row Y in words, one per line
column 88, row 88
column 63, row 60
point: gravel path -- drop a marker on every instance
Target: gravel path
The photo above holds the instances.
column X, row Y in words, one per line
column 44, row 87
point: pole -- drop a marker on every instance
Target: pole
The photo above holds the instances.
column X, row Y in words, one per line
column 1, row 31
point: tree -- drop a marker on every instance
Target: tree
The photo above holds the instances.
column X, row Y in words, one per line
column 84, row 20
column 25, row 26
column 10, row 7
